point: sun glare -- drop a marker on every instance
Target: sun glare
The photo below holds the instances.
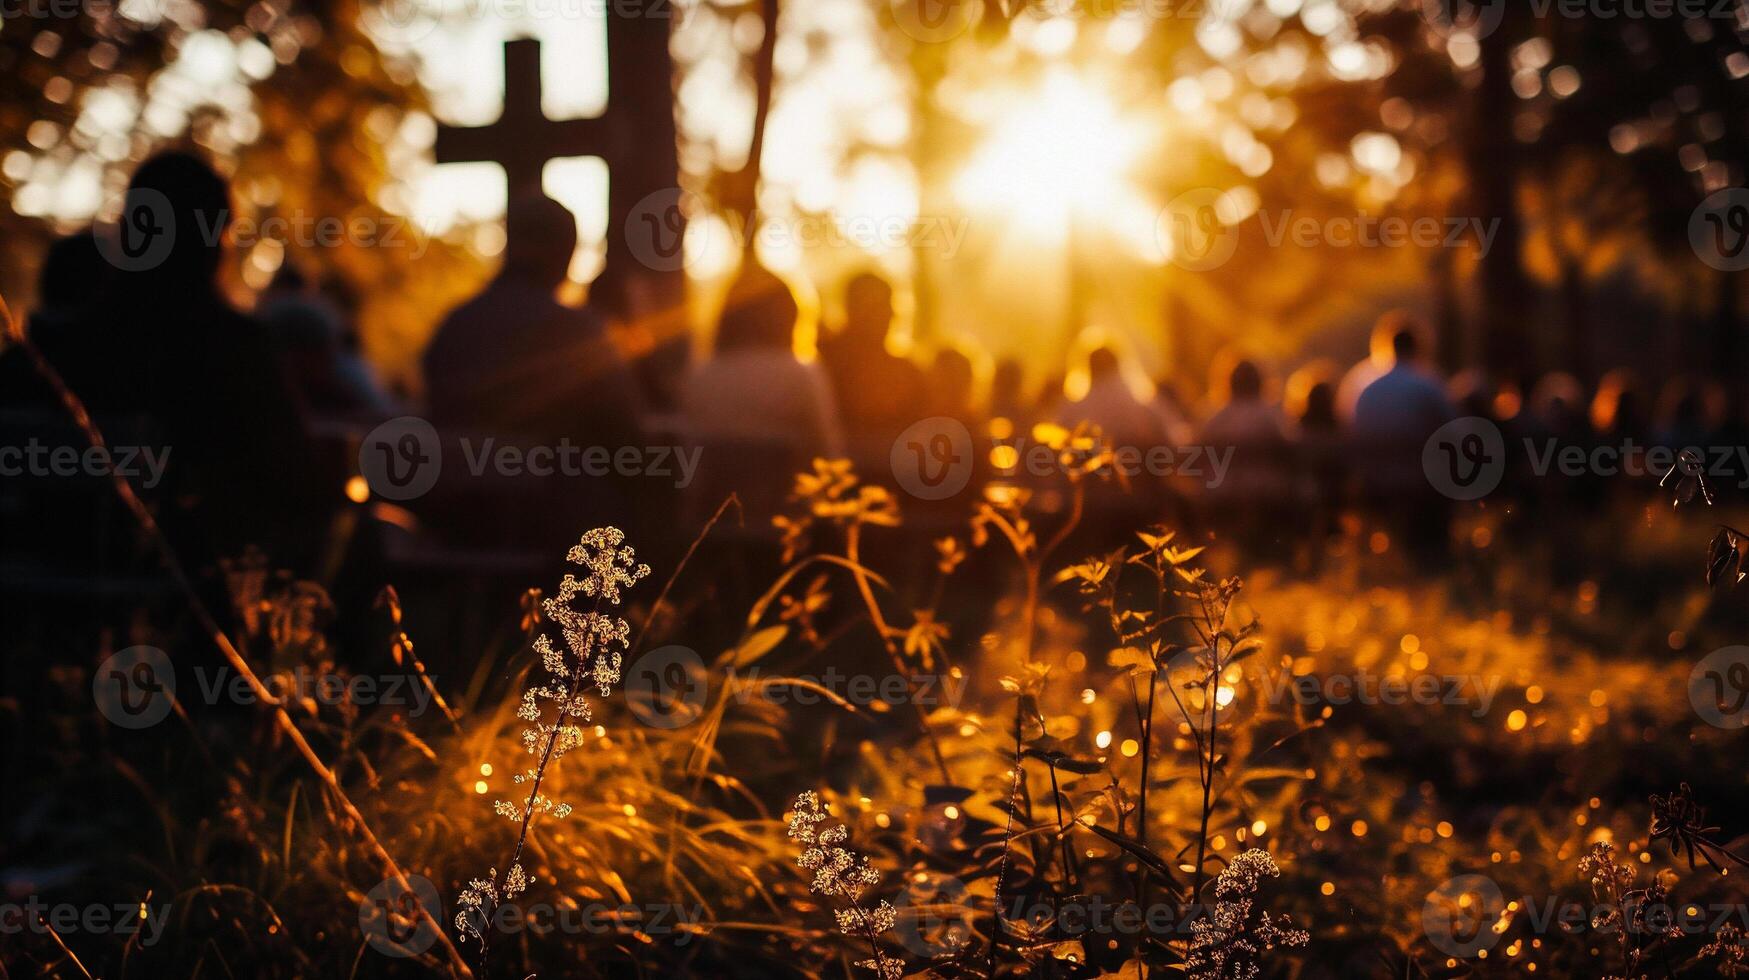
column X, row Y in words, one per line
column 1060, row 152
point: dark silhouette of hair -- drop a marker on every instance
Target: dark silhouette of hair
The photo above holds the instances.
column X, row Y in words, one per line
column 1245, row 383
column 868, row 309
column 760, row 313
column 542, row 238
column 184, row 196
column 1320, row 410
column 1402, row 330
column 951, row 377
column 1404, row 345
column 1103, row 363
column 73, row 273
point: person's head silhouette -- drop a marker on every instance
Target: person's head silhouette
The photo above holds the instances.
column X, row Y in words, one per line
column 181, row 195
column 1103, row 365
column 1396, row 339
column 868, row 309
column 1320, row 408
column 760, row 313
column 1245, row 384
column 951, row 378
column 541, row 237
column 73, row 272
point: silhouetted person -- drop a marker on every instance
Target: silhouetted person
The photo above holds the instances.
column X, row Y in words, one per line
column 514, row 361
column 319, row 351
column 1318, row 437
column 758, row 412
column 1250, row 436
column 163, row 343
column 1125, row 421
column 1393, row 419
column 879, row 394
column 950, row 382
column 73, row 277
column 1381, row 356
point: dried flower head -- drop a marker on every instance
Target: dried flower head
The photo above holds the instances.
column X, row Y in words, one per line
column 593, row 652
column 842, row 873
column 1231, row 943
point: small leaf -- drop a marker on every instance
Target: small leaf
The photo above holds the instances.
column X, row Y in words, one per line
column 1137, row 848
column 1722, row 557
column 754, row 647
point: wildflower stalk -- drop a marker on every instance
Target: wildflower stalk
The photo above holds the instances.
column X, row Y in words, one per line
column 1210, row 632
column 853, row 552
column 1032, row 560
column 500, row 881
column 204, row 619
column 842, row 873
column 591, row 657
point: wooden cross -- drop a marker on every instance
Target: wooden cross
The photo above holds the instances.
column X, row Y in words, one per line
column 635, row 137
column 523, row 139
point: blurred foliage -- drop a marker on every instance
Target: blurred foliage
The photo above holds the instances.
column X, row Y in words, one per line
column 309, row 140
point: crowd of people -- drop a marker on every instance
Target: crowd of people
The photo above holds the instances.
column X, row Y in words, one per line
column 248, row 400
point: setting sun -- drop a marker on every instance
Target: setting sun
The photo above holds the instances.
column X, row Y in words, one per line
column 1059, row 152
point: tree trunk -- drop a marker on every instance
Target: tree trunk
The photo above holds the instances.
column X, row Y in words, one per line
column 1493, row 166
